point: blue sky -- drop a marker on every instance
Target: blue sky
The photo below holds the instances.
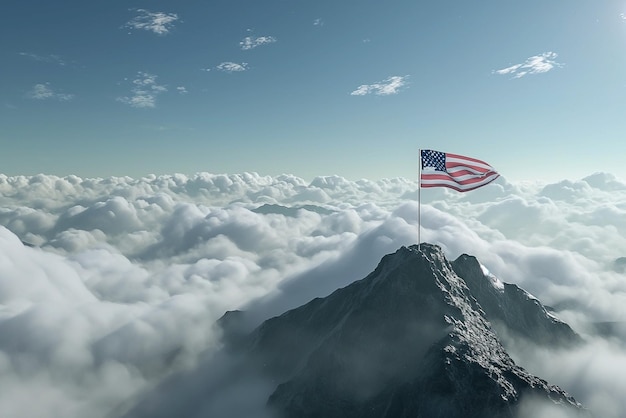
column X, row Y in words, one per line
column 353, row 88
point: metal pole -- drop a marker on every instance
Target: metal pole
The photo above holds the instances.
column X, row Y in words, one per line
column 419, row 197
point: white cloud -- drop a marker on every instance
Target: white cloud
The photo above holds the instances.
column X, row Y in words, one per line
column 232, row 67
column 182, row 89
column 157, row 22
column 318, row 22
column 391, row 85
column 130, row 274
column 536, row 64
column 250, row 42
column 51, row 58
column 145, row 91
column 44, row 91
column 585, row 370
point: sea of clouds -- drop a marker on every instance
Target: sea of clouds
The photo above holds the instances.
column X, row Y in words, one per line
column 107, row 286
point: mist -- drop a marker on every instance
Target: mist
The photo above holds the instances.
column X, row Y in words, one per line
column 110, row 288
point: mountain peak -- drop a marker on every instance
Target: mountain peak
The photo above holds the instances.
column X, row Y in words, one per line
column 411, row 339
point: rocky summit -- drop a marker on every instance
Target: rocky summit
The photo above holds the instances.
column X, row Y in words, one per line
column 409, row 340
column 414, row 338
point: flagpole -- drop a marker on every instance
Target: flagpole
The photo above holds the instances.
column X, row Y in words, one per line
column 419, row 197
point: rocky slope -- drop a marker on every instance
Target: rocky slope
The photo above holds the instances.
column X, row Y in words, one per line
column 412, row 339
column 408, row 340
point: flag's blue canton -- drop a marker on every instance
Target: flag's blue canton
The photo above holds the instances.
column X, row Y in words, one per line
column 434, row 159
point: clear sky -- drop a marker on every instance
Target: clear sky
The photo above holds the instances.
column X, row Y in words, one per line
column 353, row 88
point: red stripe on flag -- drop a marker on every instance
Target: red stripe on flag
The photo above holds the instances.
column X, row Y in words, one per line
column 461, row 173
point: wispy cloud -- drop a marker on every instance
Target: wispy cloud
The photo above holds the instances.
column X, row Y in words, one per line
column 144, row 92
column 318, row 22
column 44, row 91
column 536, row 64
column 51, row 58
column 182, row 89
column 391, row 85
column 623, row 16
column 157, row 22
column 250, row 42
column 232, row 67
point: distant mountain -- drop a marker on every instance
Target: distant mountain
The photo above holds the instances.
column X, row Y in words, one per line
column 290, row 211
column 412, row 339
column 615, row 330
column 619, row 265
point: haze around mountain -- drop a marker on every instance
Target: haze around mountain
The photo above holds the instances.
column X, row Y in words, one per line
column 123, row 279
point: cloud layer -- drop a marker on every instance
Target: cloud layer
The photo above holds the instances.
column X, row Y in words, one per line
column 109, row 285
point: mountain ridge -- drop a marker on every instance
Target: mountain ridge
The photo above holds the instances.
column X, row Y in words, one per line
column 450, row 336
column 408, row 340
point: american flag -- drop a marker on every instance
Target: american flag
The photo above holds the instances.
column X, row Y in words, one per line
column 441, row 169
